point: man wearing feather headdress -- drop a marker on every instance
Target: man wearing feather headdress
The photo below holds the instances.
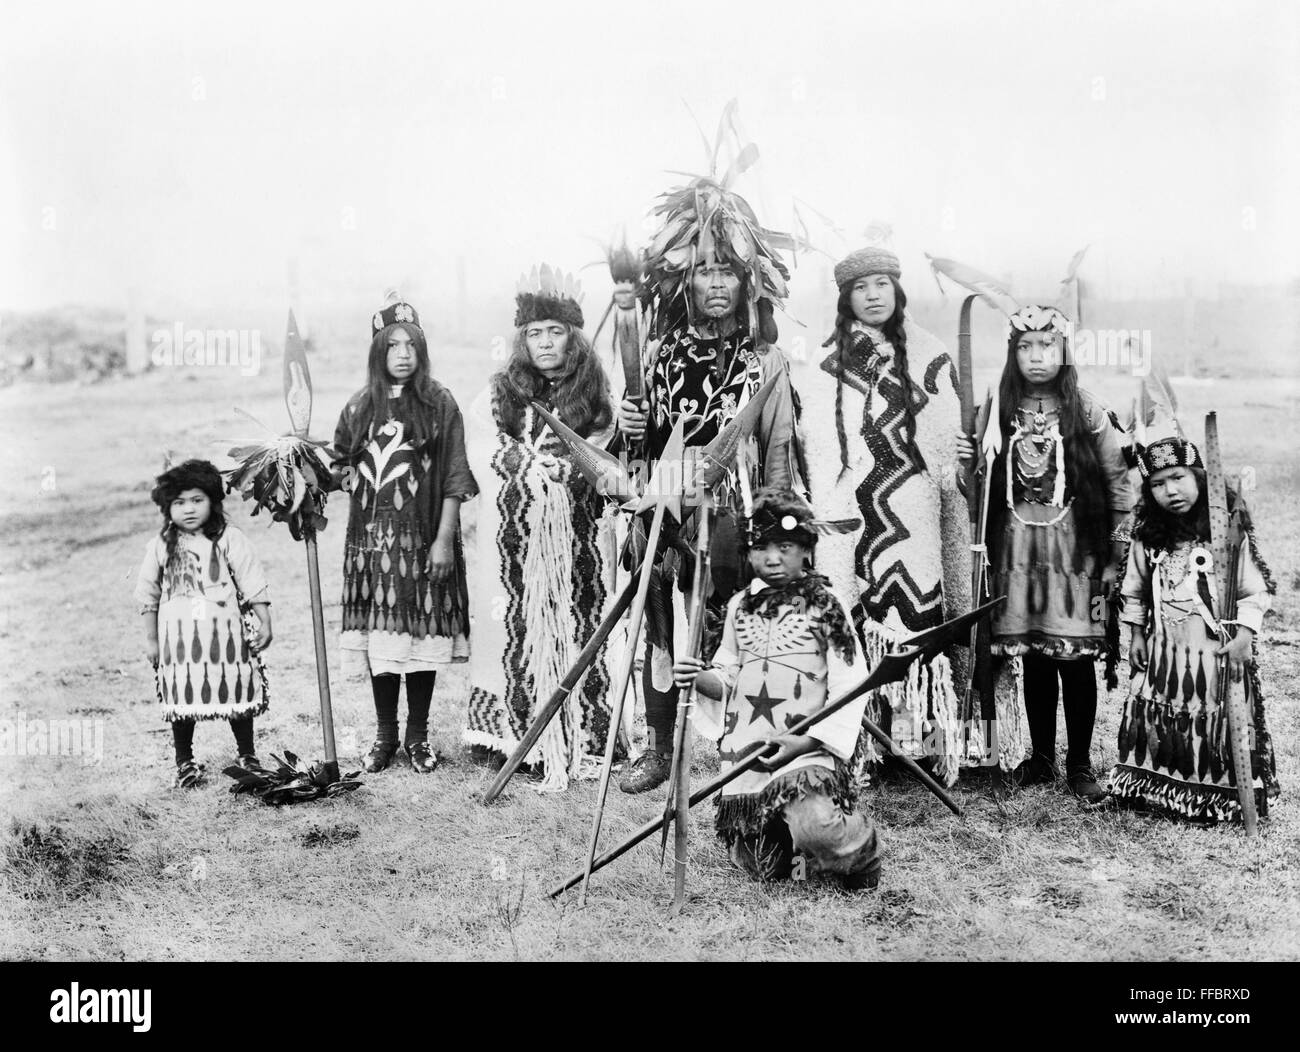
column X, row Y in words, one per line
column 711, row 281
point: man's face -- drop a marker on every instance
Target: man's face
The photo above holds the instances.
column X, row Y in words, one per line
column 716, row 290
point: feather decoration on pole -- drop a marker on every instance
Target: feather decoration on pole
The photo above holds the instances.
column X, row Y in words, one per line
column 290, row 477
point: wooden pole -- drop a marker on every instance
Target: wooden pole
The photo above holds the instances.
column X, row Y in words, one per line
column 1233, row 702
column 331, row 771
column 620, row 690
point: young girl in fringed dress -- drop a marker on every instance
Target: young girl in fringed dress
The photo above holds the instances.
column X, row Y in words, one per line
column 880, row 412
column 401, row 445
column 197, row 573
column 1059, row 491
column 1174, row 753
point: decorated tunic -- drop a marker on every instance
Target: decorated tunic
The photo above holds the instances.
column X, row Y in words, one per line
column 396, row 618
column 779, row 663
column 710, row 380
column 908, row 568
column 206, row 669
column 1174, row 749
column 542, row 586
column 1052, row 584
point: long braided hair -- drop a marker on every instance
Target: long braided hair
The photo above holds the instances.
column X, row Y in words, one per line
column 848, row 342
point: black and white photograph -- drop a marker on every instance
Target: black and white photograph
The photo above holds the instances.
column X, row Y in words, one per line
column 781, row 482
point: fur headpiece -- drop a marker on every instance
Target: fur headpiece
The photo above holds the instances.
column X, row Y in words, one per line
column 548, row 295
column 394, row 310
column 1172, row 452
column 192, row 474
column 874, row 259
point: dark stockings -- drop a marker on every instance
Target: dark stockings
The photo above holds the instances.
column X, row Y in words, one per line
column 1078, row 691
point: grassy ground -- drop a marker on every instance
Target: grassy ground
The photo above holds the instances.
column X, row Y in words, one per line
column 104, row 861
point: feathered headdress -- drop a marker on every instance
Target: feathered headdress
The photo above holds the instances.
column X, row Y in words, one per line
column 548, row 295
column 705, row 222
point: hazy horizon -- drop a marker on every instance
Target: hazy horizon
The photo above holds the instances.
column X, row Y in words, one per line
column 191, row 155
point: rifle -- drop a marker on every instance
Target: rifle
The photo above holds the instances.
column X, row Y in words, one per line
column 1226, row 544
column 892, row 668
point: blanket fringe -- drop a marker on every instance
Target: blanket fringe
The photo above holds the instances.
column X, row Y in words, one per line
column 1203, row 803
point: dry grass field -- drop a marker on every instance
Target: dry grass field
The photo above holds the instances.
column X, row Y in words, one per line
column 103, row 861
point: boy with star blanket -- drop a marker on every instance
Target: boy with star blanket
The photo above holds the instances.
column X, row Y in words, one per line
column 788, row 646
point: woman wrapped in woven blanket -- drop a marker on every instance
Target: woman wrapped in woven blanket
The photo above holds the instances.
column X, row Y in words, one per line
column 788, row 646
column 1174, row 754
column 1059, row 494
column 880, row 412
column 545, row 540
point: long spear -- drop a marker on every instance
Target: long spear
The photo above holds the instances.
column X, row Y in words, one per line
column 892, row 668
column 661, row 494
column 1225, row 541
column 679, row 780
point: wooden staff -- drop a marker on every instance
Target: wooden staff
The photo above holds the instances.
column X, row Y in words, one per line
column 892, row 668
column 1225, row 541
column 662, row 493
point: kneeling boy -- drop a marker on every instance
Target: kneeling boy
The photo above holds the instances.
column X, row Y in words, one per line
column 788, row 646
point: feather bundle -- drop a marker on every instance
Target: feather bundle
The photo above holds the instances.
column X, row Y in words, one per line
column 288, row 476
column 292, row 781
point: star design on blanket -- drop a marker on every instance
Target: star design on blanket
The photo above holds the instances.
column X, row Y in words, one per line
column 763, row 704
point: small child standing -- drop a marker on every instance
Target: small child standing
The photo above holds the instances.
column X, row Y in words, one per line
column 197, row 577
column 787, row 646
column 1174, row 753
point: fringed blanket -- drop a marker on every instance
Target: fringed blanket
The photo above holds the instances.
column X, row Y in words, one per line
column 1174, row 750
column 543, row 583
column 908, row 569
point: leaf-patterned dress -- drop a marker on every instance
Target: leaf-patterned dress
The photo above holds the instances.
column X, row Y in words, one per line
column 206, row 669
column 396, row 619
column 1174, row 750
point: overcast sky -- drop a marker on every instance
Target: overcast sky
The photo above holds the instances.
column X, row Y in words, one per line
column 191, row 150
